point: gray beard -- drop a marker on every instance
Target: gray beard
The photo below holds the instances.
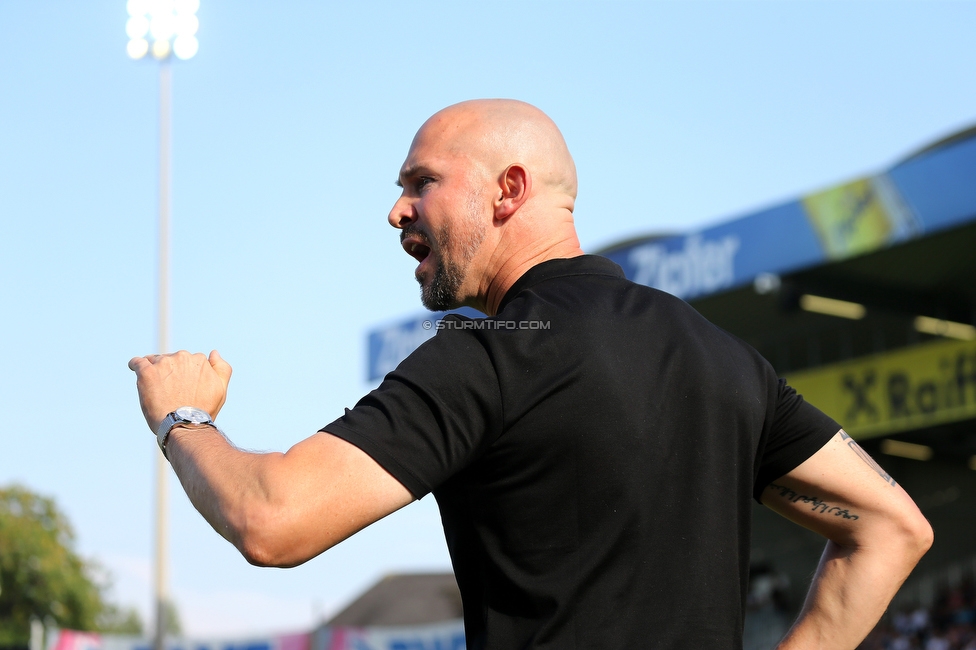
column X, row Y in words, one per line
column 442, row 292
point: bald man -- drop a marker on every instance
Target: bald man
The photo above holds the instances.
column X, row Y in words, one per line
column 593, row 444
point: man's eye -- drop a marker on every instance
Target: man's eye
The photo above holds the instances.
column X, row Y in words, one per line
column 423, row 181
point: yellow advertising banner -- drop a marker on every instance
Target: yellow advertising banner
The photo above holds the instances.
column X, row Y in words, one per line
column 912, row 388
column 859, row 216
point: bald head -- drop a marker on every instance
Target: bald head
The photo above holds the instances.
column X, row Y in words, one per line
column 489, row 189
column 496, row 133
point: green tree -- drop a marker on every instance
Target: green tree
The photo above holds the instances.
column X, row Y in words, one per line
column 116, row 620
column 171, row 620
column 41, row 575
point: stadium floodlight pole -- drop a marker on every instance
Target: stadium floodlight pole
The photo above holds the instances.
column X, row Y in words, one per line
column 171, row 25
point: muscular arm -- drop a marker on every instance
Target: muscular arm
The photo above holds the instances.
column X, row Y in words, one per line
column 875, row 533
column 283, row 509
column 277, row 509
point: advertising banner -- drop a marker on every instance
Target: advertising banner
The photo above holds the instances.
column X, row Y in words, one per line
column 920, row 386
column 441, row 636
column 939, row 185
column 448, row 635
column 388, row 346
column 724, row 256
column 74, row 640
column 860, row 216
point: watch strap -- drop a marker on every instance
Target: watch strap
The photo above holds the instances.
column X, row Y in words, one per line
column 172, row 420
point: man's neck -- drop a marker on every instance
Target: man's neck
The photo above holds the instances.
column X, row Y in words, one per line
column 514, row 268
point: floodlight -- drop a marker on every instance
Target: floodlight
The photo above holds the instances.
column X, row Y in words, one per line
column 186, row 6
column 137, row 48
column 137, row 27
column 163, row 28
column 186, row 25
column 137, row 7
column 160, row 7
column 161, row 49
column 184, row 47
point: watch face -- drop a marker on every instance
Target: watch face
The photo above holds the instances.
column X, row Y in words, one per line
column 194, row 415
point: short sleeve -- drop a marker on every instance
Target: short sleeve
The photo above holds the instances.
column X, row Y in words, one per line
column 797, row 431
column 430, row 417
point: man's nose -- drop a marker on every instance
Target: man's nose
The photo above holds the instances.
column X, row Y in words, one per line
column 402, row 214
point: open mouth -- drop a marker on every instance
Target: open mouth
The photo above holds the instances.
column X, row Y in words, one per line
column 417, row 250
column 416, row 245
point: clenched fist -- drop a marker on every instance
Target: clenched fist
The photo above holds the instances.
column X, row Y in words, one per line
column 168, row 381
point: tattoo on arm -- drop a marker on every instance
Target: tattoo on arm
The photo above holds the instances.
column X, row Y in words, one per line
column 856, row 448
column 817, row 505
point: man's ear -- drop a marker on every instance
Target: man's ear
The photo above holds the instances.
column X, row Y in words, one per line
column 515, row 183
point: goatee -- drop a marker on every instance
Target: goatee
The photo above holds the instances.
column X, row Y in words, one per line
column 441, row 293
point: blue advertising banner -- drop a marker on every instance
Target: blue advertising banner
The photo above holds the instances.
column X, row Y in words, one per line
column 75, row 640
column 724, row 256
column 388, row 346
column 940, row 186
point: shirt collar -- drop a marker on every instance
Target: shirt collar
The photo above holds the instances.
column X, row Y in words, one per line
column 563, row 267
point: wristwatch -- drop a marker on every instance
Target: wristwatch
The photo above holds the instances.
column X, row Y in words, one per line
column 188, row 416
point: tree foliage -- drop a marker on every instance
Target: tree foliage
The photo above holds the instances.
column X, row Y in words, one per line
column 171, row 620
column 117, row 620
column 41, row 575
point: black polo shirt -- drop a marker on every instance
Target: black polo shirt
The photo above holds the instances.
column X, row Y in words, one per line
column 593, row 449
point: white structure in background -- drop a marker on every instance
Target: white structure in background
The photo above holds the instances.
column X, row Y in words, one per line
column 171, row 26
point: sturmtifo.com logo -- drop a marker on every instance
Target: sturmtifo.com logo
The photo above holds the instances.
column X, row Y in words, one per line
column 487, row 324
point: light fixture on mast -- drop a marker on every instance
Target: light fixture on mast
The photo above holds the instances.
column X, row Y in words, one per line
column 162, row 28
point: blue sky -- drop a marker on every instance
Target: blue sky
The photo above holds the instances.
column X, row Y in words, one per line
column 289, row 127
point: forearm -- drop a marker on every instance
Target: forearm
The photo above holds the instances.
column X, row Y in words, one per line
column 223, row 483
column 877, row 534
column 849, row 593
